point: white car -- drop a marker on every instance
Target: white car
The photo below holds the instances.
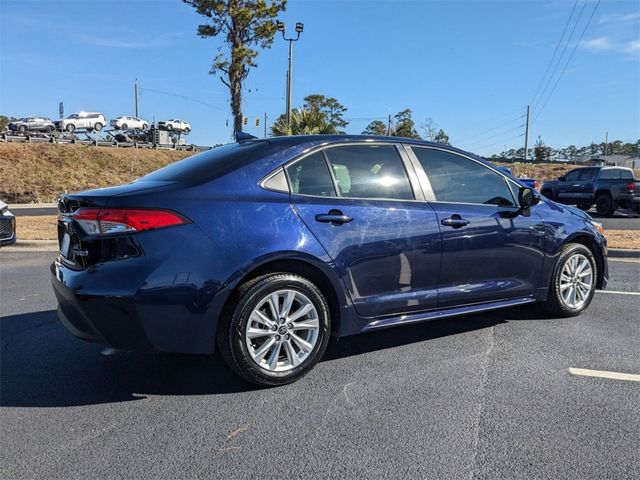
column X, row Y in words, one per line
column 124, row 123
column 82, row 120
column 175, row 125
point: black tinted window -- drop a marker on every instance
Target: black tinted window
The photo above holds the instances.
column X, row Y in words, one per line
column 311, row 176
column 586, row 174
column 626, row 174
column 457, row 179
column 213, row 163
column 369, row 171
column 572, row 175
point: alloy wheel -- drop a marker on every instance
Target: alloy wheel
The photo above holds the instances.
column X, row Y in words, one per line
column 282, row 330
column 576, row 281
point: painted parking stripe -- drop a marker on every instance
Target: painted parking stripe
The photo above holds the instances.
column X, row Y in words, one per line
column 614, row 292
column 583, row 372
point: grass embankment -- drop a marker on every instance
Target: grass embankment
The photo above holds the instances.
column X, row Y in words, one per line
column 44, row 228
column 40, row 172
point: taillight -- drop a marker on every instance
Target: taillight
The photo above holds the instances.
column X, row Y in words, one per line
column 105, row 221
column 631, row 186
column 535, row 184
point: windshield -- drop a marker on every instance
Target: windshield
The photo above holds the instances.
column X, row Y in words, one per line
column 73, row 115
column 211, row 164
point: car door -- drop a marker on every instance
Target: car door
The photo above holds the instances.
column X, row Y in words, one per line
column 581, row 189
column 565, row 191
column 365, row 207
column 491, row 250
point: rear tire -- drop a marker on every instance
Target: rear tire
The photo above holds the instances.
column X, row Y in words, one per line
column 144, row 126
column 186, row 131
column 22, row 129
column 70, row 128
column 574, row 262
column 584, row 206
column 604, row 205
column 270, row 348
column 124, row 126
column 97, row 127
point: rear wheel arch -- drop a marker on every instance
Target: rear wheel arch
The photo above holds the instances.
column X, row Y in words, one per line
column 299, row 267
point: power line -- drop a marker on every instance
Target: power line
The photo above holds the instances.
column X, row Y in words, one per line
column 555, row 51
column 185, row 97
column 560, row 58
column 495, row 135
column 465, row 140
column 568, row 61
column 499, row 142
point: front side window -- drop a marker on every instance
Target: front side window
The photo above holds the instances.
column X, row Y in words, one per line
column 456, row 179
column 311, row 176
column 586, row 174
column 369, row 171
column 572, row 176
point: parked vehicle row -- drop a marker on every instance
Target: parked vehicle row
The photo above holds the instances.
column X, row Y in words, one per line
column 608, row 188
column 92, row 121
column 262, row 249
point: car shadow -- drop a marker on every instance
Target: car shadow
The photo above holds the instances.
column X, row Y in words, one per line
column 41, row 365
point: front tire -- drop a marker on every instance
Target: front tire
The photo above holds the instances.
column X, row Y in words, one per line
column 97, row 127
column 277, row 331
column 70, row 128
column 573, row 282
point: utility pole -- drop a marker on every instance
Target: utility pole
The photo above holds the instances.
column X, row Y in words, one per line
column 389, row 126
column 136, row 95
column 299, row 29
column 265, row 124
column 606, row 142
column 526, row 136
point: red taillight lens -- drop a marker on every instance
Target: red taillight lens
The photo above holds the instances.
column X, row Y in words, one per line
column 631, row 186
column 105, row 221
column 535, row 184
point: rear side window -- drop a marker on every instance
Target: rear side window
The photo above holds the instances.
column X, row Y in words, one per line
column 211, row 164
column 369, row 171
column 457, row 179
column 311, row 176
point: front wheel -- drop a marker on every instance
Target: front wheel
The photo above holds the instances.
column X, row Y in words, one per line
column 573, row 283
column 144, row 126
column 98, row 126
column 277, row 331
column 70, row 128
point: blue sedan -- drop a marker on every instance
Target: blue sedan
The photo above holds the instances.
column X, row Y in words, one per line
column 263, row 249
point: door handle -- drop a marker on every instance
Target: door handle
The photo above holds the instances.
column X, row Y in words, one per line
column 455, row 221
column 334, row 217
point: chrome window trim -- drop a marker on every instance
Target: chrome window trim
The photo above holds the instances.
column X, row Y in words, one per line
column 321, row 148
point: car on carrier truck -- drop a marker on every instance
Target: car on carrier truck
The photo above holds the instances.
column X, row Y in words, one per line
column 82, row 121
column 608, row 188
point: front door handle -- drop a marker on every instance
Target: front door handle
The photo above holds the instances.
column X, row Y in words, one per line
column 334, row 217
column 455, row 221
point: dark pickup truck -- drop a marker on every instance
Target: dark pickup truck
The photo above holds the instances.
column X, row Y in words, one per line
column 609, row 188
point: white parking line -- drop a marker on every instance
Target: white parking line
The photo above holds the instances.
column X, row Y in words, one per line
column 604, row 374
column 617, row 293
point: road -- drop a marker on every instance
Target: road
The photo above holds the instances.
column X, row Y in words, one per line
column 486, row 396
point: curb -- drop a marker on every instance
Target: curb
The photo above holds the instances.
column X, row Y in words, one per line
column 20, row 206
column 32, row 245
column 620, row 253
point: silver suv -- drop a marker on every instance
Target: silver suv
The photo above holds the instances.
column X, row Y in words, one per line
column 32, row 124
column 82, row 120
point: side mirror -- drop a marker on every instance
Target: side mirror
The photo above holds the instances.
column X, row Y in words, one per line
column 561, row 178
column 527, row 197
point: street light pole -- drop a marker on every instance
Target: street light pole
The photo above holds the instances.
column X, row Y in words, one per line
column 281, row 28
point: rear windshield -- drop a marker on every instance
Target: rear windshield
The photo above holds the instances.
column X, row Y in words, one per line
column 211, row 164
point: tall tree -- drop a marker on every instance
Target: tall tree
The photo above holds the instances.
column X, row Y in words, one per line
column 377, row 127
column 541, row 152
column 331, row 108
column 404, row 125
column 303, row 122
column 243, row 24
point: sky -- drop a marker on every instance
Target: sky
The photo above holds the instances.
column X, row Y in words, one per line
column 472, row 66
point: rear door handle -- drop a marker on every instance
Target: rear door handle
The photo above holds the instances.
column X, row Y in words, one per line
column 334, row 217
column 455, row 221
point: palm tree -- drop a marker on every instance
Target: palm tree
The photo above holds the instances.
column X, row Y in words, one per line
column 303, row 122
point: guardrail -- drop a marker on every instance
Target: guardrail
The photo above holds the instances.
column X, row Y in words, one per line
column 98, row 142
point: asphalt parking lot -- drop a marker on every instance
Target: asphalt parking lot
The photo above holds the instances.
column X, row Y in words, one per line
column 486, row 396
